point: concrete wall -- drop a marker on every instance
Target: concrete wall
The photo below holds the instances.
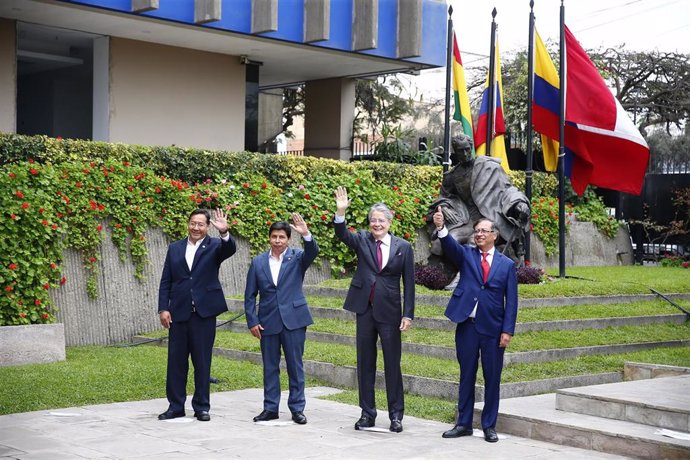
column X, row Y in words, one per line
column 126, row 306
column 30, row 344
column 8, row 75
column 163, row 95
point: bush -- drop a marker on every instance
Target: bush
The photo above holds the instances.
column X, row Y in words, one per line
column 431, row 276
column 529, row 275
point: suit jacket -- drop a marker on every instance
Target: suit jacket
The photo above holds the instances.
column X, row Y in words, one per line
column 181, row 287
column 497, row 298
column 283, row 305
column 387, row 306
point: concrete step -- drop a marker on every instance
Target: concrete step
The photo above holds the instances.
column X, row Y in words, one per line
column 662, row 402
column 442, row 298
column 536, row 417
column 510, row 357
column 443, row 324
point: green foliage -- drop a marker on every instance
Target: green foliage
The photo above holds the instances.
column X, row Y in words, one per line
column 58, row 194
column 544, row 222
column 592, row 209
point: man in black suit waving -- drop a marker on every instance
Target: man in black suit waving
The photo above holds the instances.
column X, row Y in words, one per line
column 189, row 299
column 374, row 295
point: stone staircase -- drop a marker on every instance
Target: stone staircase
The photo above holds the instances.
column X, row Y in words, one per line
column 640, row 418
column 526, row 410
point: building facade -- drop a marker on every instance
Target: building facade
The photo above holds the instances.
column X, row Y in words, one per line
column 203, row 73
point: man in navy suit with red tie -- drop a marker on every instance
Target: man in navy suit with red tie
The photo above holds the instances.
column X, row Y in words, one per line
column 189, row 299
column 283, row 315
column 484, row 306
column 374, row 295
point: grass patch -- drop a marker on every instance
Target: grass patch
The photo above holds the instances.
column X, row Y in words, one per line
column 613, row 280
column 614, row 310
column 532, row 340
column 101, row 375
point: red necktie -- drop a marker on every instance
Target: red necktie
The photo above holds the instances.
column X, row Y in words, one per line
column 485, row 266
column 379, row 254
column 379, row 260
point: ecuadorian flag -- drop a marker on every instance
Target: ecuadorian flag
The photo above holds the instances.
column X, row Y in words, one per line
column 546, row 103
column 498, row 145
column 462, row 102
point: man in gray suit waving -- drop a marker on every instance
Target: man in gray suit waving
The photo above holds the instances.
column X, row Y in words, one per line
column 374, row 295
column 276, row 276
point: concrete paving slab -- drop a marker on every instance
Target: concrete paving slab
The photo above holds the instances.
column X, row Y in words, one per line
column 131, row 430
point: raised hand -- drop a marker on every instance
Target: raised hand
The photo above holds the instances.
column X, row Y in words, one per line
column 341, row 200
column 438, row 219
column 220, row 221
column 299, row 225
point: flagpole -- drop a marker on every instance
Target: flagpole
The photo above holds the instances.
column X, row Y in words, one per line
column 530, row 98
column 561, row 151
column 449, row 65
column 491, row 86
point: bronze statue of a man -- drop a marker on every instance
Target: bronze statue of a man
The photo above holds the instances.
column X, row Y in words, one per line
column 475, row 188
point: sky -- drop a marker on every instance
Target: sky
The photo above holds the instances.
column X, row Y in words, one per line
column 637, row 25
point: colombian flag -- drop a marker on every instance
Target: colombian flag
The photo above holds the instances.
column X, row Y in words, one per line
column 462, row 101
column 546, row 103
column 498, row 146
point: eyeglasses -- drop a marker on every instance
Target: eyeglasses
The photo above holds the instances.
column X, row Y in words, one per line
column 482, row 231
column 197, row 225
column 377, row 221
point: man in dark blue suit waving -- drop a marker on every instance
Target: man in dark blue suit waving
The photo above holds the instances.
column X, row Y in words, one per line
column 276, row 276
column 189, row 299
column 484, row 306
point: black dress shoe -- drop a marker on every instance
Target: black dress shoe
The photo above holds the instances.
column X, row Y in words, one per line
column 265, row 416
column 458, row 431
column 396, row 426
column 202, row 416
column 168, row 414
column 364, row 422
column 299, row 418
column 490, row 435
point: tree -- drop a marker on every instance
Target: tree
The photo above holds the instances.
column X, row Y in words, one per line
column 378, row 103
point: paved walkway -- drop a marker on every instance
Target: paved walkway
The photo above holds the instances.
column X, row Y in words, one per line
column 130, row 430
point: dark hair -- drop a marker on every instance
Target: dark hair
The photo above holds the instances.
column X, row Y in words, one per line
column 281, row 225
column 203, row 212
column 484, row 219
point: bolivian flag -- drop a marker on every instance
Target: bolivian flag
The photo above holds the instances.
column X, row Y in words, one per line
column 462, row 101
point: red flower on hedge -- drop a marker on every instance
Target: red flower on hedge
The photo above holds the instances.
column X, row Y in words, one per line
column 264, row 185
column 395, row 187
column 324, row 217
column 53, row 265
column 306, row 196
column 13, row 216
column 63, row 280
column 8, row 288
column 19, row 194
column 33, row 171
column 22, row 315
column 37, row 302
column 46, row 286
column 25, row 205
column 12, row 266
column 45, row 316
column 41, row 210
column 99, row 227
column 44, row 222
column 54, row 226
column 92, row 259
column 77, row 184
column 12, row 175
column 357, row 181
column 245, row 185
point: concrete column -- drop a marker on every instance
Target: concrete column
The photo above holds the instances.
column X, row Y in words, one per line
column 206, row 11
column 365, row 24
column 101, row 90
column 409, row 28
column 317, row 20
column 8, row 75
column 264, row 16
column 329, row 112
column 142, row 6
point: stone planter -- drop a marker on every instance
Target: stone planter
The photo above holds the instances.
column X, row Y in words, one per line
column 36, row 343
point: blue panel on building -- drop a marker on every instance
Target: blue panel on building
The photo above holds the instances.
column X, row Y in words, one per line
column 434, row 34
column 290, row 21
column 236, row 16
column 388, row 28
column 341, row 26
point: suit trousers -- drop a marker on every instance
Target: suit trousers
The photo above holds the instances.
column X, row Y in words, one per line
column 190, row 338
column 292, row 343
column 368, row 332
column 468, row 344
